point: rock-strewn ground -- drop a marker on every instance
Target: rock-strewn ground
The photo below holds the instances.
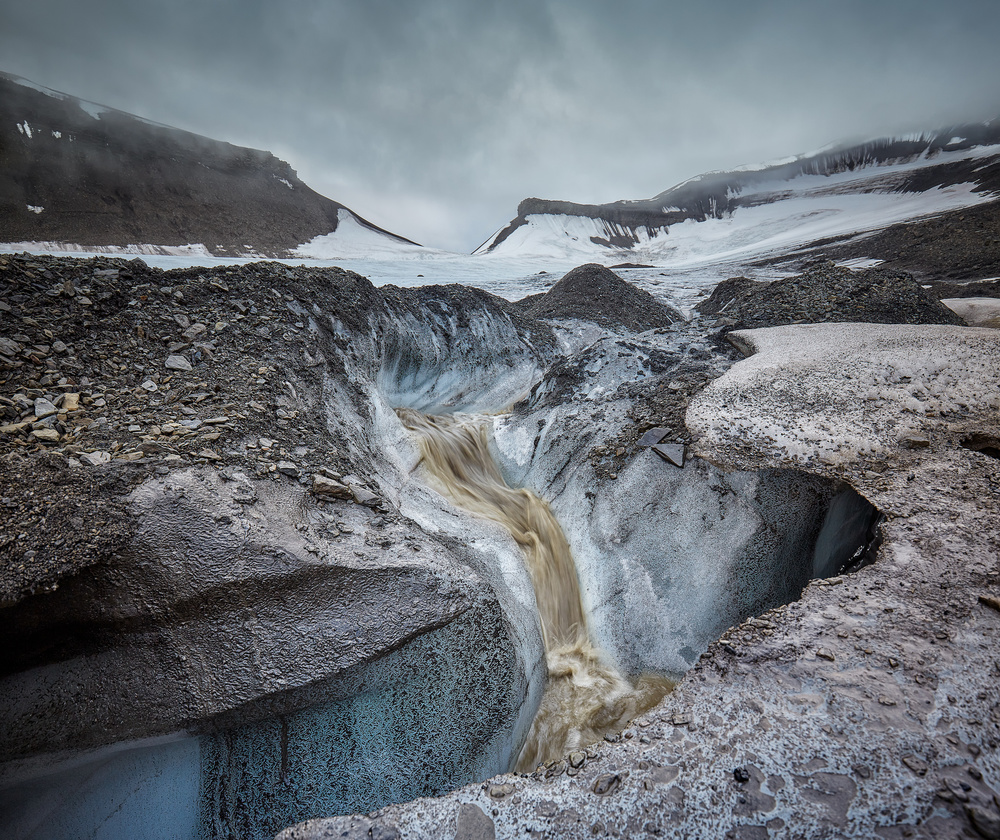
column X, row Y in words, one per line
column 108, row 361
column 956, row 246
column 594, row 293
column 129, row 371
column 868, row 708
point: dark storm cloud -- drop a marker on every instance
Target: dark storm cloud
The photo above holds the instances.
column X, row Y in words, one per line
column 434, row 118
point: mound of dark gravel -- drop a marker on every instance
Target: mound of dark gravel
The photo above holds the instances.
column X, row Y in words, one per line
column 594, row 293
column 826, row 293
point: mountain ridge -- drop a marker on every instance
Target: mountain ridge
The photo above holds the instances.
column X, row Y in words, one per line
column 75, row 172
column 946, row 159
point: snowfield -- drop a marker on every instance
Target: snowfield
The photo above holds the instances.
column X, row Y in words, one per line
column 785, row 214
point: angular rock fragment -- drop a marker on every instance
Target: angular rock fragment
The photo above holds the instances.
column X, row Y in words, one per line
column 330, row 488
column 44, row 408
column 176, row 362
column 652, row 436
column 95, row 459
column 672, row 453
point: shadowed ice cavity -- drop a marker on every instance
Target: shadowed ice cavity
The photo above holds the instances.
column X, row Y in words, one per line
column 395, row 735
column 457, row 359
column 670, row 558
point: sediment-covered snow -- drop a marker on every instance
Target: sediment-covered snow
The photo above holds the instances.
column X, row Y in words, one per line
column 877, row 383
column 976, row 312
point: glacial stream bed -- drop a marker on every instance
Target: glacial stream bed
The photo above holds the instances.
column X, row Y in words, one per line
column 372, row 746
column 295, row 623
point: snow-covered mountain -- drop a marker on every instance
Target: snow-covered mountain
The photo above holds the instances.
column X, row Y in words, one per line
column 75, row 175
column 757, row 211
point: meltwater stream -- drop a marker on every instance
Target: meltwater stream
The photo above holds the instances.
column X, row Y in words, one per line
column 586, row 697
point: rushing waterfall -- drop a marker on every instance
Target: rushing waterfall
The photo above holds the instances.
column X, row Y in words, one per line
column 586, row 697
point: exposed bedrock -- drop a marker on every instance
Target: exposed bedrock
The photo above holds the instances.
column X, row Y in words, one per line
column 867, row 708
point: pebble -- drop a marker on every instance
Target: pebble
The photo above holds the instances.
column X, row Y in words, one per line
column 244, row 494
column 44, row 408
column 606, row 784
column 95, row 459
column 177, row 363
column 990, row 601
column 987, row 823
column 500, row 791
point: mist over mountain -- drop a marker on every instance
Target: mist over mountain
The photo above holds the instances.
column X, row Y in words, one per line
column 76, row 173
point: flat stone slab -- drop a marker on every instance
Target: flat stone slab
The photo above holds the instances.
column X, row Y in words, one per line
column 652, row 436
column 672, row 453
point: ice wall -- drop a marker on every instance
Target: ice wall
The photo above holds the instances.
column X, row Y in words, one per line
column 434, row 715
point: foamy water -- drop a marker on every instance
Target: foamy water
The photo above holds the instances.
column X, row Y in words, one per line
column 586, row 696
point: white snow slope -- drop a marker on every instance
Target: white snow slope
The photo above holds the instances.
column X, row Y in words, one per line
column 786, row 214
column 352, row 238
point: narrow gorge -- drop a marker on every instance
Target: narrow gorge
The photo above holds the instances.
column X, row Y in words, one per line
column 470, row 558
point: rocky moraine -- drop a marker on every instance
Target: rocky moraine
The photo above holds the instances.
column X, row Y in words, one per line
column 237, row 606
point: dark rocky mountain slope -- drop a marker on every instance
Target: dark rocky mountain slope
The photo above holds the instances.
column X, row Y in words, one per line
column 75, row 172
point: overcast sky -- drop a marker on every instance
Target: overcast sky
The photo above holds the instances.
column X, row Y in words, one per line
column 433, row 118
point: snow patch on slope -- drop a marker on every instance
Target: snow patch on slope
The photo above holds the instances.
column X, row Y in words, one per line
column 775, row 212
column 353, row 239
column 62, row 248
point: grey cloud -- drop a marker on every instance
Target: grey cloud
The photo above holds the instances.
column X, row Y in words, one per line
column 434, row 118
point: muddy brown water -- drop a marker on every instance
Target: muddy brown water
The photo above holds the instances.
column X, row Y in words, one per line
column 586, row 696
